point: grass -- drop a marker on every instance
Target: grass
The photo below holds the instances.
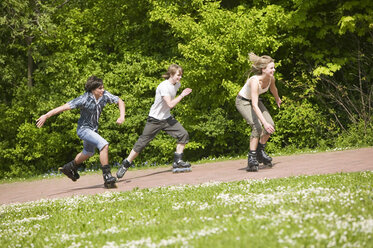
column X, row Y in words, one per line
column 306, row 211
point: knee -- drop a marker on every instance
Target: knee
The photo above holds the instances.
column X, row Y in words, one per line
column 256, row 131
column 87, row 154
column 105, row 148
column 183, row 137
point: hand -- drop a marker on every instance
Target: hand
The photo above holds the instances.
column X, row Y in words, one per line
column 186, row 92
column 269, row 128
column 120, row 120
column 40, row 122
column 278, row 101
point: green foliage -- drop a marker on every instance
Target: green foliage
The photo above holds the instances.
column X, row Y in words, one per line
column 357, row 135
column 322, row 49
column 302, row 125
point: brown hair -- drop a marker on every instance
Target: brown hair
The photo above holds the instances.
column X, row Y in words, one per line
column 172, row 70
column 93, row 83
column 259, row 63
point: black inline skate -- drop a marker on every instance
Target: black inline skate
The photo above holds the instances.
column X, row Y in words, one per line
column 123, row 168
column 252, row 163
column 70, row 170
column 179, row 165
column 262, row 156
column 108, row 178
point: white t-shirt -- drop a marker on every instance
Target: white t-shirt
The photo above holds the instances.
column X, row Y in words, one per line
column 160, row 110
column 246, row 89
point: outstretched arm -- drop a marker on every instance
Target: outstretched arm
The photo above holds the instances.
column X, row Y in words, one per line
column 122, row 111
column 176, row 100
column 40, row 122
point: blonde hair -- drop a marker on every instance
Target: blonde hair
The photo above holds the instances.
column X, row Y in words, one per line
column 259, row 63
column 172, row 70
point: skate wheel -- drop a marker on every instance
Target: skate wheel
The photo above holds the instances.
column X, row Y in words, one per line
column 270, row 165
column 67, row 173
column 110, row 185
column 181, row 170
column 253, row 169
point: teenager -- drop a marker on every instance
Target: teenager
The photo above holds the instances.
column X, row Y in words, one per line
column 160, row 118
column 91, row 104
column 253, row 110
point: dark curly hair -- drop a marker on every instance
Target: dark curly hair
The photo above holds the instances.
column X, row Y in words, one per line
column 93, row 83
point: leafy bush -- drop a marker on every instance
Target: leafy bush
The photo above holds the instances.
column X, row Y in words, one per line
column 301, row 124
column 357, row 135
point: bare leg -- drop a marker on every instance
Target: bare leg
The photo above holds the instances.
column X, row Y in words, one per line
column 264, row 138
column 80, row 158
column 104, row 155
column 180, row 148
column 132, row 156
column 253, row 144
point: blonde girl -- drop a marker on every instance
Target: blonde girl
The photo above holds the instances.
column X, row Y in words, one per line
column 252, row 109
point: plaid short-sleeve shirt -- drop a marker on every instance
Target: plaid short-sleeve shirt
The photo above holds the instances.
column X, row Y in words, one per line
column 90, row 108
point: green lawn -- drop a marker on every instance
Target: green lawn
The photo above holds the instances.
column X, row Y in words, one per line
column 306, row 211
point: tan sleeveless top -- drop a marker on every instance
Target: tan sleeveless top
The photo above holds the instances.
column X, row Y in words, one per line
column 246, row 89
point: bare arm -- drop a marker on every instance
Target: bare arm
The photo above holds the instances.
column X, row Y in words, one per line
column 274, row 92
column 254, row 85
column 122, row 111
column 176, row 100
column 40, row 122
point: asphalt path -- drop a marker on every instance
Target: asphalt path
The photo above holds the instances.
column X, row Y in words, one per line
column 225, row 171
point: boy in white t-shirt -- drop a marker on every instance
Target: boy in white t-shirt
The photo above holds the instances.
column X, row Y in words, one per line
column 160, row 118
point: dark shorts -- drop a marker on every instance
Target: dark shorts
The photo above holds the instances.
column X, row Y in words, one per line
column 171, row 126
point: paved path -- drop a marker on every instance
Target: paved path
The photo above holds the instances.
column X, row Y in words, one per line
column 234, row 170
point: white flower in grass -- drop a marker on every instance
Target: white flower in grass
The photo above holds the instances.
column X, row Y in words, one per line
column 186, row 219
column 73, row 245
column 25, row 220
column 147, row 242
column 180, row 239
column 177, row 188
column 204, row 206
column 110, row 245
column 209, row 184
column 177, row 206
column 112, row 229
column 108, row 194
column 203, row 218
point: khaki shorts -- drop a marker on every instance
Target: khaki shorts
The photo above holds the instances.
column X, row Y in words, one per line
column 153, row 126
column 248, row 113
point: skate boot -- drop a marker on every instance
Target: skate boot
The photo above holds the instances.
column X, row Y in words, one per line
column 108, row 178
column 262, row 156
column 123, row 168
column 70, row 170
column 179, row 165
column 252, row 163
